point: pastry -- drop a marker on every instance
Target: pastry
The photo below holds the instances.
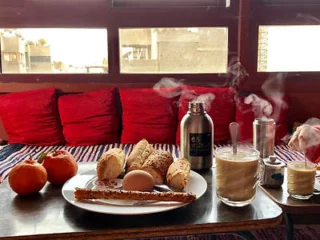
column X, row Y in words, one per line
column 139, row 154
column 157, row 165
column 178, row 174
column 111, row 163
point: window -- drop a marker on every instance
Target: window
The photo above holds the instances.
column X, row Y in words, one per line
column 10, row 57
column 174, row 50
column 54, row 50
column 289, row 48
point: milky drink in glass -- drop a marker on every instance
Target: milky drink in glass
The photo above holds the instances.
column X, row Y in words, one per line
column 301, row 177
column 236, row 175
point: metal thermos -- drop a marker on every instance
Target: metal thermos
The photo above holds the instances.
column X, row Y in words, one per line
column 196, row 137
column 264, row 136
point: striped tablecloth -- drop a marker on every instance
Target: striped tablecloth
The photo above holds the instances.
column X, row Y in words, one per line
column 10, row 155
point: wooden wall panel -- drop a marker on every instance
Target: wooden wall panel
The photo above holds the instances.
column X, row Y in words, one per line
column 303, row 106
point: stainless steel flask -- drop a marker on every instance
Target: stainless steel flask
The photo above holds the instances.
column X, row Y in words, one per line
column 196, row 137
column 264, row 136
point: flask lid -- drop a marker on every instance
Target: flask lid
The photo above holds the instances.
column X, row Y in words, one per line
column 272, row 158
column 272, row 161
column 196, row 106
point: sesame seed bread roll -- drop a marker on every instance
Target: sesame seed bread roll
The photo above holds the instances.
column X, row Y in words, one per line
column 111, row 163
column 157, row 165
column 178, row 174
column 139, row 154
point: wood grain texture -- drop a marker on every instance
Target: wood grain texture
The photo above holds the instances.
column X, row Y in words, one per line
column 48, row 215
column 290, row 205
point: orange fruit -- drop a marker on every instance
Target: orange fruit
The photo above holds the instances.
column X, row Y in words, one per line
column 27, row 177
column 60, row 166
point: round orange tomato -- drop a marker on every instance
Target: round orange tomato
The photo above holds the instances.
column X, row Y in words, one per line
column 27, row 177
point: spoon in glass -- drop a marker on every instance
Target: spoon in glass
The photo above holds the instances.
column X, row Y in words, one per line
column 234, row 131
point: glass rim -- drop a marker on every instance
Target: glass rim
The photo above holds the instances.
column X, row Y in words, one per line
column 309, row 163
column 248, row 149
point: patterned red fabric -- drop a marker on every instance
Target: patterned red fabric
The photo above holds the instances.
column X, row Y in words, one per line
column 90, row 118
column 313, row 152
column 149, row 114
column 219, row 105
column 254, row 106
column 31, row 117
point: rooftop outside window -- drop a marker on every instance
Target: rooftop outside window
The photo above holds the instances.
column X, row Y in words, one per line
column 174, row 50
column 56, row 50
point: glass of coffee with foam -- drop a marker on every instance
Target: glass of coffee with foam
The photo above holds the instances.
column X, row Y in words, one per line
column 236, row 175
column 300, row 178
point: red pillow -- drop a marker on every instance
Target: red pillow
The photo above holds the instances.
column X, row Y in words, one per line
column 254, row 106
column 219, row 105
column 90, row 118
column 149, row 114
column 31, row 117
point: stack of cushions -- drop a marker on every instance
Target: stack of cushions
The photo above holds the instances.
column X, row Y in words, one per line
column 149, row 114
column 39, row 117
column 32, row 117
column 89, row 118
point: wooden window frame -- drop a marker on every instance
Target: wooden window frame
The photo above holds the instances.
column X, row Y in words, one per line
column 279, row 12
column 168, row 3
column 101, row 14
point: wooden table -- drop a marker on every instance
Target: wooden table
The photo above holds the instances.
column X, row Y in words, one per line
column 306, row 210
column 48, row 215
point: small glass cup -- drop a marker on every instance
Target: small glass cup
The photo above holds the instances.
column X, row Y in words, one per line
column 301, row 177
column 236, row 175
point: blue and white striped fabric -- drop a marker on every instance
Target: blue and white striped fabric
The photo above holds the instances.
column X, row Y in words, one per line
column 13, row 154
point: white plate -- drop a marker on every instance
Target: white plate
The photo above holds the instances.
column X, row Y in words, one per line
column 197, row 185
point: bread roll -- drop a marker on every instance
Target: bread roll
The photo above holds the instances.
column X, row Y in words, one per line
column 139, row 154
column 111, row 163
column 178, row 174
column 86, row 193
column 157, row 165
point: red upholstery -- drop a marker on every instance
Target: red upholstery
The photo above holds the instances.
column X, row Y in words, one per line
column 219, row 105
column 149, row 114
column 90, row 118
column 254, row 106
column 31, row 117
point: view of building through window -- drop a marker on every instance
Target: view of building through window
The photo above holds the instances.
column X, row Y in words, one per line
column 174, row 50
column 289, row 48
column 54, row 50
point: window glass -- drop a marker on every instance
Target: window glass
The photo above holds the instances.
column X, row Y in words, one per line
column 174, row 50
column 289, row 48
column 54, row 50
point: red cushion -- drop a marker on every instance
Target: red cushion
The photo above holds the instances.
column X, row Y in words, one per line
column 31, row 117
column 149, row 114
column 254, row 106
column 219, row 105
column 90, row 118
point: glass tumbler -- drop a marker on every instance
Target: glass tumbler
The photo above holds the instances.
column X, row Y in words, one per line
column 301, row 177
column 236, row 175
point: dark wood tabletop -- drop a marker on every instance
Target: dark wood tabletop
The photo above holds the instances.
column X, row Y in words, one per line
column 48, row 215
column 291, row 205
